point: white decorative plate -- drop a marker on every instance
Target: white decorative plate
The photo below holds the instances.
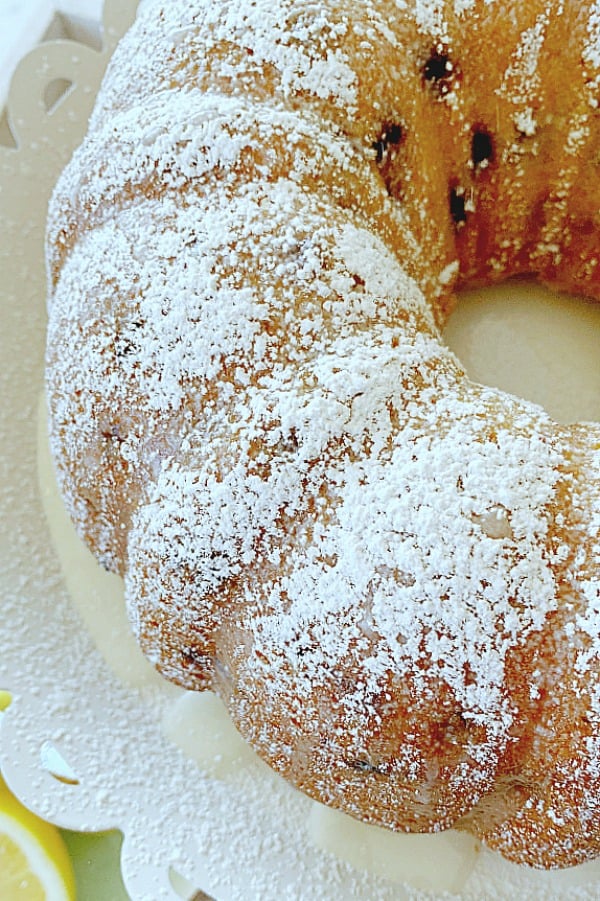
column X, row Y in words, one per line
column 94, row 739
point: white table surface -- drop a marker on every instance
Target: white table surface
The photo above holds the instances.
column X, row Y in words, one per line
column 23, row 23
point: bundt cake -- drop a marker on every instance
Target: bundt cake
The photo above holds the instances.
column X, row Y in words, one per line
column 389, row 573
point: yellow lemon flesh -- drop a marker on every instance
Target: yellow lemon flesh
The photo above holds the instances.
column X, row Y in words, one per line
column 34, row 862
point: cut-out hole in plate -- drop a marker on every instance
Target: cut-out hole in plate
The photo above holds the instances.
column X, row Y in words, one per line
column 7, row 138
column 55, row 764
column 184, row 888
column 5, row 699
column 55, row 93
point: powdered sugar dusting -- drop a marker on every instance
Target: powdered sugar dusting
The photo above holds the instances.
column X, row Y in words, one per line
column 430, row 18
column 591, row 55
column 315, row 510
column 591, row 52
column 461, row 7
column 522, row 79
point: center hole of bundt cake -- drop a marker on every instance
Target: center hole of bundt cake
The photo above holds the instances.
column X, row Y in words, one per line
column 527, row 340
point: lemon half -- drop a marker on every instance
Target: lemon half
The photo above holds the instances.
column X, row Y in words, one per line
column 34, row 862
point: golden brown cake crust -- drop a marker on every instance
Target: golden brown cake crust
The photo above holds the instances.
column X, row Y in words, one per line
column 390, row 573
